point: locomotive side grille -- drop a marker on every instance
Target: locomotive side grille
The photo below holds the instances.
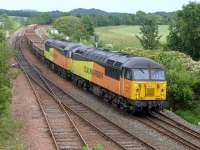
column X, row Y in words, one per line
column 149, row 92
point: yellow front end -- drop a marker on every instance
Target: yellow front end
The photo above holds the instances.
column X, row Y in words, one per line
column 148, row 90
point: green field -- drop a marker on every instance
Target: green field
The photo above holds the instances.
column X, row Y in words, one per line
column 122, row 37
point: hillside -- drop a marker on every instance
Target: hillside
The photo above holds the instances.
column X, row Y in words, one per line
column 78, row 11
column 81, row 11
column 20, row 13
column 93, row 11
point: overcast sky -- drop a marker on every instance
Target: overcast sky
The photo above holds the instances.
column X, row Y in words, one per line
column 129, row 6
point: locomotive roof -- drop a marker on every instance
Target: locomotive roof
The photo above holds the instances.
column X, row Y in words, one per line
column 118, row 60
column 142, row 62
column 62, row 45
column 105, row 57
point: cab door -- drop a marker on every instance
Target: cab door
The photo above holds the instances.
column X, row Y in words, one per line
column 126, row 83
column 122, row 82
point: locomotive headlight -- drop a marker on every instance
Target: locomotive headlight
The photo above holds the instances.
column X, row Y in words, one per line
column 137, row 87
column 137, row 90
column 137, row 93
column 162, row 93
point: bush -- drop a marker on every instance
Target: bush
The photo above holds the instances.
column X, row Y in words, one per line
column 5, row 97
column 197, row 87
column 5, row 93
column 180, row 81
column 8, row 139
column 97, row 147
column 180, row 92
column 191, row 115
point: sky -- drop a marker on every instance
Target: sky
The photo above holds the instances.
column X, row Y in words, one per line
column 127, row 6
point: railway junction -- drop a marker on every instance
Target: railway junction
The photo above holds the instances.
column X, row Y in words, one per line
column 73, row 118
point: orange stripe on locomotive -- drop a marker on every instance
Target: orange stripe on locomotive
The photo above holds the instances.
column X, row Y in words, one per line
column 101, row 79
column 131, row 87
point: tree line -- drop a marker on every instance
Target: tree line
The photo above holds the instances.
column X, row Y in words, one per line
column 131, row 19
column 98, row 19
column 183, row 26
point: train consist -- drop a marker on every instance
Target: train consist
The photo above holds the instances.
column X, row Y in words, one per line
column 129, row 82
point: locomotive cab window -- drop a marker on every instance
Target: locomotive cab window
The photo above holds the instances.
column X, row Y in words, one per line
column 157, row 74
column 141, row 74
column 112, row 72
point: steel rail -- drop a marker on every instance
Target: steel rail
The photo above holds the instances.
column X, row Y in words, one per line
column 21, row 60
column 38, row 101
column 57, row 99
column 177, row 125
column 92, row 124
column 168, row 133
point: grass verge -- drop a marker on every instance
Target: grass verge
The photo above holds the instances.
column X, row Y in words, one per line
column 192, row 116
column 8, row 127
column 8, row 137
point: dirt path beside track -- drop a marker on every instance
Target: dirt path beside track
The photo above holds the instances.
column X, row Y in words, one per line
column 34, row 132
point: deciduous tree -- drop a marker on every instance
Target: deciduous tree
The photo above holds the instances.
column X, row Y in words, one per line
column 149, row 33
column 185, row 30
column 70, row 26
column 88, row 26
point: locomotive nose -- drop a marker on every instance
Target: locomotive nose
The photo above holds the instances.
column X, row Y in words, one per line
column 150, row 90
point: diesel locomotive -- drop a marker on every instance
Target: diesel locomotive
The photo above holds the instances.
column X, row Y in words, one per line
column 130, row 82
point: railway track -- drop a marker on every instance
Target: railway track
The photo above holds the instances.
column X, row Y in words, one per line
column 172, row 129
column 172, row 122
column 114, row 133
column 185, row 136
column 184, row 133
column 64, row 132
column 124, row 140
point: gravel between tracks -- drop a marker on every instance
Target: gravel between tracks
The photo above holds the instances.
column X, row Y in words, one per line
column 34, row 131
column 133, row 126
column 89, row 134
column 92, row 137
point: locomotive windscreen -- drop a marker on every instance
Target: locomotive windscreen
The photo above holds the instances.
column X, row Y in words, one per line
column 146, row 74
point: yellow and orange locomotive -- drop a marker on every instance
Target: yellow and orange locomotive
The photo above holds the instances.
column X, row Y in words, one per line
column 130, row 82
